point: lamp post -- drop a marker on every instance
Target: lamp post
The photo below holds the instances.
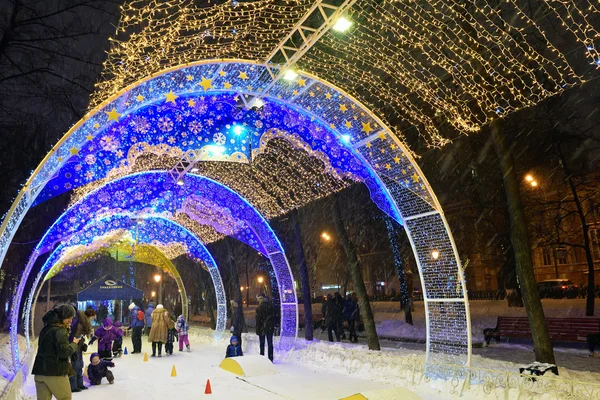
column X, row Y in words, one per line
column 158, row 279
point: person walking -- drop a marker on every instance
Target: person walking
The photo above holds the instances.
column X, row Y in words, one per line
column 158, row 330
column 149, row 312
column 80, row 327
column 351, row 314
column 331, row 313
column 182, row 332
column 339, row 315
column 265, row 325
column 136, row 323
column 102, row 314
column 52, row 366
column 106, row 334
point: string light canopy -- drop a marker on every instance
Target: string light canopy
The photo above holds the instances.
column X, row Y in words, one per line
column 422, row 65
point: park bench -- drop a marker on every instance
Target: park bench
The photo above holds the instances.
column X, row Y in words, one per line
column 317, row 319
column 560, row 329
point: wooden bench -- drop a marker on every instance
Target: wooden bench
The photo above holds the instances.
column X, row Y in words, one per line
column 317, row 318
column 560, row 329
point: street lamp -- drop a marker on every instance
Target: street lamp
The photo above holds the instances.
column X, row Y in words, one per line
column 153, row 294
column 326, row 236
column 158, row 279
column 260, row 279
column 531, row 179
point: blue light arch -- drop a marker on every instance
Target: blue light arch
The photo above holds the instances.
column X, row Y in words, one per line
column 151, row 230
column 344, row 125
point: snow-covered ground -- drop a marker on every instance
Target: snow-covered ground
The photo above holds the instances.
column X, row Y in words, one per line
column 299, row 375
column 6, row 358
column 323, row 370
column 317, row 370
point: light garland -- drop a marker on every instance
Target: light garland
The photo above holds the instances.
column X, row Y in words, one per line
column 445, row 60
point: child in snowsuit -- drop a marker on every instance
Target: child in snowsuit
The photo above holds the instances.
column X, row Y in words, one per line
column 98, row 369
column 171, row 336
column 106, row 335
column 234, row 349
column 182, row 331
column 117, row 347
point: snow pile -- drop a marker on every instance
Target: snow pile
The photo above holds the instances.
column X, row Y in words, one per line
column 6, row 358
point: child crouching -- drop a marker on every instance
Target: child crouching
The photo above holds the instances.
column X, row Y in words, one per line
column 234, row 349
column 98, row 369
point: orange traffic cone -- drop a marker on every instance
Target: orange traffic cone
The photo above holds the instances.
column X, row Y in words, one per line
column 145, row 357
column 173, row 372
column 208, row 390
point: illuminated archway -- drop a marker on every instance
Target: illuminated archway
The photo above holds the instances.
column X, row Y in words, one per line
column 143, row 239
column 313, row 114
column 150, row 194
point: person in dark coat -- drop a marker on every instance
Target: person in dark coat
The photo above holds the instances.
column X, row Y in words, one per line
column 149, row 311
column 52, row 365
column 117, row 346
column 101, row 314
column 351, row 314
column 171, row 337
column 80, row 327
column 137, row 326
column 265, row 325
column 339, row 316
column 332, row 314
column 98, row 369
column 234, row 349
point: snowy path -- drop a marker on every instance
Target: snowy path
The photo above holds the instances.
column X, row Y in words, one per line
column 135, row 379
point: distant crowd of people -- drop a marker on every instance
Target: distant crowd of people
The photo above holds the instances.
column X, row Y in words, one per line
column 336, row 310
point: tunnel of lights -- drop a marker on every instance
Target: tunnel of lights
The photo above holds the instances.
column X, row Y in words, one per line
column 192, row 145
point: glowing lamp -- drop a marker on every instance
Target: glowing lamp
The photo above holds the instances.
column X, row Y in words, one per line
column 342, row 24
column 534, row 183
column 290, row 75
column 260, row 279
column 238, row 129
column 435, row 254
column 153, row 294
column 529, row 178
column 157, row 278
column 180, row 182
column 346, row 138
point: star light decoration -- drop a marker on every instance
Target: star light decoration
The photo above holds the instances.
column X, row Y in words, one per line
column 154, row 137
column 431, row 63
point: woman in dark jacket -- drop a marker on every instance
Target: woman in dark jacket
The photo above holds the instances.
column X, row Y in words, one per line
column 52, row 366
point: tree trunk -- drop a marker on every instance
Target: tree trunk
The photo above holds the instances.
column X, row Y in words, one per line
column 520, row 242
column 357, row 280
column 591, row 295
column 237, row 316
column 399, row 264
column 306, row 294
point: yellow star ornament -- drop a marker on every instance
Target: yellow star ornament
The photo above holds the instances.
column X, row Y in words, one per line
column 415, row 177
column 206, row 84
column 139, row 98
column 227, row 85
column 113, row 115
column 343, row 108
column 74, row 151
column 170, row 97
column 366, row 128
column 243, row 76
